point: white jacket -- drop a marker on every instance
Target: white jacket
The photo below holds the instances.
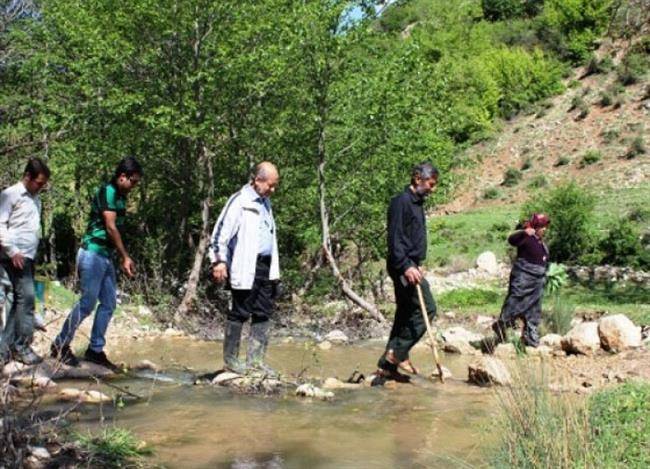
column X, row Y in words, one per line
column 235, row 239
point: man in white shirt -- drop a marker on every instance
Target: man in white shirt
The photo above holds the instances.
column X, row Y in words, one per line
column 244, row 252
column 20, row 226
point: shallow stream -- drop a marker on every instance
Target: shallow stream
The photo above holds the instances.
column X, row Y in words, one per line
column 426, row 424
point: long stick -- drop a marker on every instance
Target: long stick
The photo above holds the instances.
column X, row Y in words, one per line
column 432, row 340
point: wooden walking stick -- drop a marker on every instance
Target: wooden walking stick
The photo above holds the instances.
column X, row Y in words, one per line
column 432, row 340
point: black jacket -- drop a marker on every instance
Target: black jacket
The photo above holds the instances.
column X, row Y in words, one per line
column 407, row 232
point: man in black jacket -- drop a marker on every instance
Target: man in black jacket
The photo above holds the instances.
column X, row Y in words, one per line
column 407, row 249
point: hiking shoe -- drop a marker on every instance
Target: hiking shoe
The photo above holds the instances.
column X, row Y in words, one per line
column 64, row 355
column 100, row 358
column 27, row 356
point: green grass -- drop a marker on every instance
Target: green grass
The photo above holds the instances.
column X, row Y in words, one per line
column 114, row 448
column 620, row 422
column 630, row 300
column 471, row 300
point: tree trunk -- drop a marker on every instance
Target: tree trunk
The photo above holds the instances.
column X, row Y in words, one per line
column 326, row 238
column 195, row 273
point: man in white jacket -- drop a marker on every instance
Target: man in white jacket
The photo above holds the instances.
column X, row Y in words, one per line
column 244, row 252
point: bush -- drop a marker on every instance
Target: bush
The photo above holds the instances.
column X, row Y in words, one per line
column 491, row 193
column 538, row 181
column 527, row 164
column 606, row 99
column 632, row 68
column 591, row 157
column 511, row 177
column 562, row 161
column 571, row 210
column 572, row 27
column 114, row 447
column 623, row 245
column 596, row 65
column 610, row 135
column 637, row 148
column 620, row 426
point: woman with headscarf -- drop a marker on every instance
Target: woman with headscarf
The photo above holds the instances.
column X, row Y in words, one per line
column 527, row 280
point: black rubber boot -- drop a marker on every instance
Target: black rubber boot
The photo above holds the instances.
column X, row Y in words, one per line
column 231, row 340
column 257, row 344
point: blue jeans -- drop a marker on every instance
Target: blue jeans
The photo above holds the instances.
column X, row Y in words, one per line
column 19, row 330
column 98, row 282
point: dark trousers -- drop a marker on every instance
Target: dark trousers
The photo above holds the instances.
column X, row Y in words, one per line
column 19, row 329
column 256, row 303
column 409, row 325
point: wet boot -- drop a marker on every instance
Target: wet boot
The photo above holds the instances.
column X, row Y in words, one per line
column 257, row 344
column 530, row 337
column 231, row 340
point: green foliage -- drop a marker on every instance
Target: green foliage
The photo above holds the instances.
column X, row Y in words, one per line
column 620, row 426
column 571, row 27
column 637, row 148
column 511, row 177
column 596, row 65
column 465, row 297
column 527, row 164
column 633, row 67
column 556, row 278
column 590, row 157
column 622, row 245
column 557, row 319
column 114, row 448
column 571, row 210
column 538, row 181
column 610, row 135
column 497, row 10
column 491, row 193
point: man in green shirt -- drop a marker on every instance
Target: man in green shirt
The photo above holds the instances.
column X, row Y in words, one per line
column 97, row 276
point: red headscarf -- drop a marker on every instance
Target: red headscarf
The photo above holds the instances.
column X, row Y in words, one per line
column 537, row 221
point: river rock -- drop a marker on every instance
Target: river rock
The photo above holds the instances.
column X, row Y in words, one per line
column 39, row 452
column 459, row 346
column 337, row 337
column 460, row 333
column 583, row 339
column 507, row 350
column 88, row 397
column 618, row 333
column 43, row 382
column 325, row 345
column 333, row 383
column 554, row 341
column 487, row 262
column 222, row 378
column 309, row 390
column 487, row 371
column 484, row 321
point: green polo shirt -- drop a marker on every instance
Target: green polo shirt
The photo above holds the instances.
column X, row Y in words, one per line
column 96, row 239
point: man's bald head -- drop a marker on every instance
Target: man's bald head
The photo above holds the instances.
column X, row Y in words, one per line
column 265, row 178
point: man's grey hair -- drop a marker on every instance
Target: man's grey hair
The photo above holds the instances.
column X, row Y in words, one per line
column 424, row 170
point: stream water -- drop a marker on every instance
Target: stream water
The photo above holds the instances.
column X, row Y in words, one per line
column 426, row 424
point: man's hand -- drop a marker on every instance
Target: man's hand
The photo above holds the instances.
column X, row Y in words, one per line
column 413, row 275
column 530, row 231
column 220, row 272
column 18, row 261
column 128, row 266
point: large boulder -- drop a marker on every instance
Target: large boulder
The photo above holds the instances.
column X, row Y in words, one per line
column 487, row 262
column 618, row 333
column 506, row 350
column 488, row 371
column 460, row 333
column 582, row 338
column 459, row 346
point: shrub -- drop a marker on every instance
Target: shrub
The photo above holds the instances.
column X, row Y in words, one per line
column 570, row 209
column 571, row 27
column 623, row 245
column 562, row 161
column 636, row 148
column 114, row 447
column 538, row 181
column 511, row 177
column 610, row 135
column 527, row 164
column 632, row 68
column 639, row 214
column 596, row 65
column 576, row 102
column 606, row 99
column 491, row 193
column 591, row 157
column 557, row 319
